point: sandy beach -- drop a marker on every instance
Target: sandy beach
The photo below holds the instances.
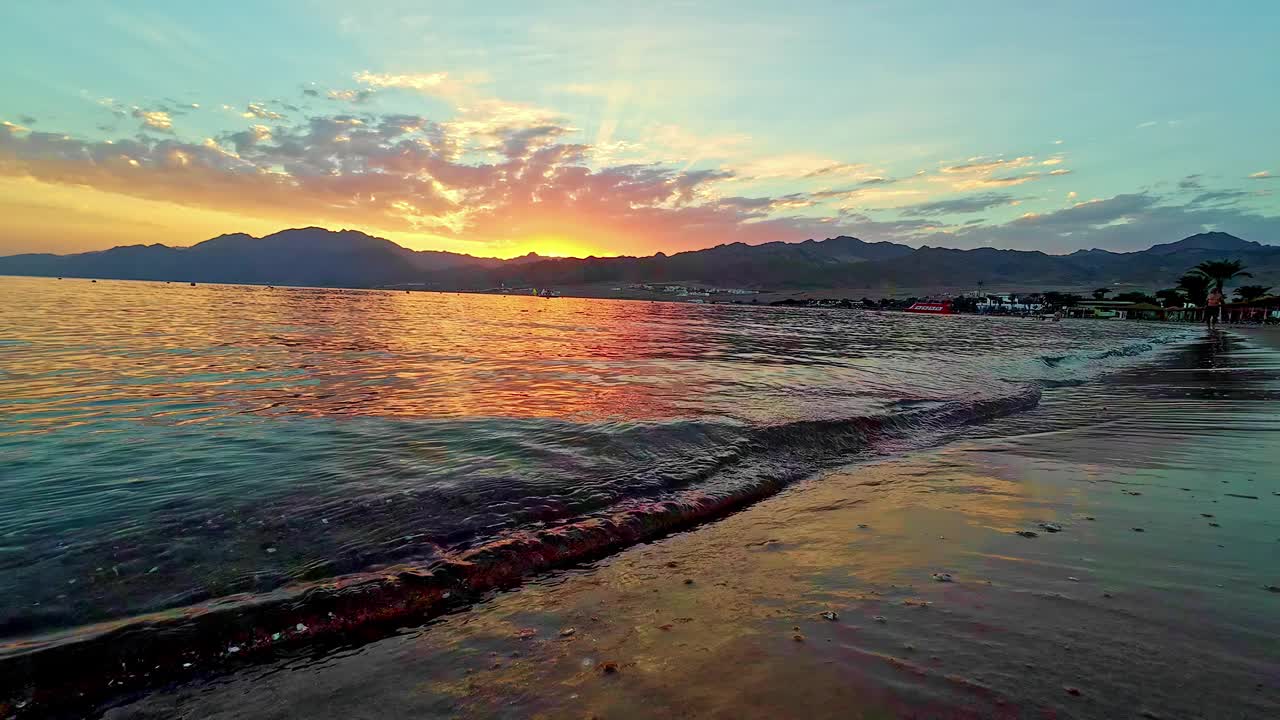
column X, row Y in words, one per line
column 1143, row 585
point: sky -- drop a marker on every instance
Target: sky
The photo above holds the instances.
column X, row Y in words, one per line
column 604, row 128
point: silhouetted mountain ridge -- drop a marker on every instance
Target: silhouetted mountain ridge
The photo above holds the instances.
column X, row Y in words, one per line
column 349, row 258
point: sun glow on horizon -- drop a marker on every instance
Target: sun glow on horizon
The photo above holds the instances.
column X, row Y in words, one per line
column 551, row 246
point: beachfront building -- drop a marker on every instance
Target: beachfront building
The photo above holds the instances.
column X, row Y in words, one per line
column 1101, row 309
column 1263, row 311
column 1008, row 303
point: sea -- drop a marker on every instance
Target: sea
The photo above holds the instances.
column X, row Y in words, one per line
column 170, row 452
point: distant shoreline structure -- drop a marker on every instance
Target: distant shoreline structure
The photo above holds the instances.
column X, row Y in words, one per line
column 1265, row 310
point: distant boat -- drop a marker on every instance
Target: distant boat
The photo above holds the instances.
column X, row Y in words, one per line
column 943, row 307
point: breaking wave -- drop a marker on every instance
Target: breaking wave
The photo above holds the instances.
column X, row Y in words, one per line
column 143, row 650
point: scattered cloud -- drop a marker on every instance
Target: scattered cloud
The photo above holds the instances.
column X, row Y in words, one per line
column 1147, row 124
column 1129, row 221
column 839, row 169
column 1191, row 182
column 154, row 119
column 1220, row 197
column 983, row 166
column 1261, row 175
column 259, row 111
column 351, row 96
column 410, row 81
column 494, row 171
column 676, row 144
column 970, row 204
column 979, row 173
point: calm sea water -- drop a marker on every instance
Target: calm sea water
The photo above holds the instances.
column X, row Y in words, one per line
column 166, row 445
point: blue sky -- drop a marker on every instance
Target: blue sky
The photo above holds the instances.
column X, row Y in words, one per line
column 608, row 127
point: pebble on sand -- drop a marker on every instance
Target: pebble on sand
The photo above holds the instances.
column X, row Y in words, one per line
column 879, row 618
column 1028, row 533
column 830, row 615
column 1051, row 527
column 609, row 667
column 1139, row 530
column 942, row 577
column 567, row 632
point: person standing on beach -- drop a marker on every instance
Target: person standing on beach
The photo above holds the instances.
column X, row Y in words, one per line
column 1213, row 308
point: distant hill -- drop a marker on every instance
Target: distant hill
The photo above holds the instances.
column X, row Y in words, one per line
column 305, row 256
column 1215, row 241
column 347, row 258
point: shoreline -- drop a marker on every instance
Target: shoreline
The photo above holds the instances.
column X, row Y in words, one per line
column 135, row 654
column 1087, row 620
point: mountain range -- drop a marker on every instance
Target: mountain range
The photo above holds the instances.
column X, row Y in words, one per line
column 319, row 257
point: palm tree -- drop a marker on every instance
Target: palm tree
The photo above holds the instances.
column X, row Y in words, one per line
column 1196, row 286
column 1101, row 293
column 1220, row 271
column 1249, row 293
column 1170, row 297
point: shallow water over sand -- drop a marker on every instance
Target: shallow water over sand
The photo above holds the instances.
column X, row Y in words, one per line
column 1095, row 620
column 167, row 446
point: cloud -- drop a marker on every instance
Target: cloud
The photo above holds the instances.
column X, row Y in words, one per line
column 410, row 81
column 154, row 119
column 1094, row 213
column 982, row 166
column 1147, row 124
column 352, row 96
column 833, row 169
column 493, row 171
column 978, row 173
column 257, row 110
column 1191, row 182
column 402, row 173
column 1129, row 221
column 1220, row 197
column 26, row 120
column 970, row 204
column 676, row 144
column 1261, row 175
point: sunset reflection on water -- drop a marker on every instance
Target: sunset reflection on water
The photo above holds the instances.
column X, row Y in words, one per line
column 165, row 444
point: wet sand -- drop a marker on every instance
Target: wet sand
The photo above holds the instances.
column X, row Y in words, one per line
column 1149, row 589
